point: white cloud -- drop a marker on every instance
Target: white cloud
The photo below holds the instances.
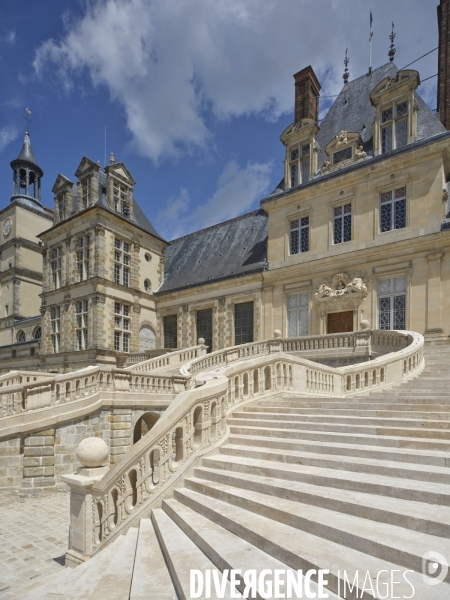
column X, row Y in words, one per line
column 237, row 190
column 172, row 64
column 10, row 37
column 7, row 135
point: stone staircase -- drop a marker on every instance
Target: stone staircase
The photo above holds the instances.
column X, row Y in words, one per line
column 360, row 484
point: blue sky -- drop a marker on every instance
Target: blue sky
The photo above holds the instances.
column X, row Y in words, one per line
column 194, row 93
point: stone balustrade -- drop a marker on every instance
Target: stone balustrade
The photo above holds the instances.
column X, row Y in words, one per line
column 170, row 359
column 196, row 422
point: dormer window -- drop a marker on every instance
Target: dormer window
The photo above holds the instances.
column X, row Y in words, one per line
column 60, row 201
column 394, row 126
column 86, row 192
column 300, row 163
column 120, row 199
column 342, row 155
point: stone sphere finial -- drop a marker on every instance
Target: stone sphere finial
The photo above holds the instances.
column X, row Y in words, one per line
column 277, row 333
column 92, row 452
column 201, row 341
column 364, row 324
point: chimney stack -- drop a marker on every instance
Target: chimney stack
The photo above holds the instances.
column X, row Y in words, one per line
column 307, row 90
column 443, row 104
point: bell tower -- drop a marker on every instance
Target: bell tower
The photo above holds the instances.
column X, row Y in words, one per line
column 27, row 175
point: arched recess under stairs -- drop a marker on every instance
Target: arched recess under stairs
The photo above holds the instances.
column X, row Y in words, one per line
column 144, row 424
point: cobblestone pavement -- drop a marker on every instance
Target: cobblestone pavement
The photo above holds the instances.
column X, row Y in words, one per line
column 33, row 538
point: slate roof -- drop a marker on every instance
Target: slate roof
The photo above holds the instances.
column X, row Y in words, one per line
column 231, row 249
column 26, row 154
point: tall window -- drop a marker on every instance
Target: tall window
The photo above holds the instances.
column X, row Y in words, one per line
column 120, row 199
column 122, row 262
column 394, row 126
column 83, row 258
column 55, row 262
column 21, row 337
column 204, row 326
column 392, row 303
column 86, row 191
column 393, row 210
column 122, row 327
column 343, row 224
column 55, row 320
column 170, row 331
column 300, row 235
column 82, row 324
column 60, row 201
column 297, row 315
column 299, row 163
column 243, row 323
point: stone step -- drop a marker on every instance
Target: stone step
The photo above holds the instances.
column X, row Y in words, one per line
column 325, row 436
column 352, row 413
column 72, row 584
column 381, row 540
column 303, row 550
column 366, row 402
column 346, row 420
column 422, row 457
column 434, row 493
column 418, row 516
column 343, row 463
column 151, row 578
column 115, row 583
column 225, row 549
column 181, row 555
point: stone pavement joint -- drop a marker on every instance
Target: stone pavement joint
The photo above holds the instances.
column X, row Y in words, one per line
column 34, row 532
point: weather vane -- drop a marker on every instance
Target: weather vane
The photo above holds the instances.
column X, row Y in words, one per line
column 26, row 117
column 391, row 52
column 346, row 74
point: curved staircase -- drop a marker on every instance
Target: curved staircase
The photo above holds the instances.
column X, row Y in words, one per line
column 357, row 484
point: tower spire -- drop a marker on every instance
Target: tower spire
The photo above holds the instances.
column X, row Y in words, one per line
column 27, row 175
column 392, row 50
column 346, row 74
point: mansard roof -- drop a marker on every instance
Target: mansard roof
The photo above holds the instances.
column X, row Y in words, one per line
column 231, row 249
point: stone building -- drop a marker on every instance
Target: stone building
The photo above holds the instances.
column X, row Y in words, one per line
column 357, row 229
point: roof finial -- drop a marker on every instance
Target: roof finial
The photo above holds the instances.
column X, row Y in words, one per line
column 111, row 159
column 27, row 118
column 392, row 50
column 346, row 74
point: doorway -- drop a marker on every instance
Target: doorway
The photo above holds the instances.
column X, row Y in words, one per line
column 341, row 322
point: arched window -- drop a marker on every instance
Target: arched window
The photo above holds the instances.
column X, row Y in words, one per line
column 37, row 333
column 147, row 339
column 21, row 336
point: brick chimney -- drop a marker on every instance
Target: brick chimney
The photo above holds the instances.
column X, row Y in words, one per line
column 443, row 104
column 307, row 90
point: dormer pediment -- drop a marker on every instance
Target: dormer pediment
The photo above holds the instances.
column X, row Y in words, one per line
column 61, row 183
column 393, row 86
column 85, row 167
column 120, row 171
column 300, row 130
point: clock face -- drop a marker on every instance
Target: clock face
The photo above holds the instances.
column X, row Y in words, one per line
column 7, row 227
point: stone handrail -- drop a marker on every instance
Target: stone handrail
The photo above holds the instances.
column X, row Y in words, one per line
column 195, row 422
column 18, row 377
column 171, row 359
column 26, row 406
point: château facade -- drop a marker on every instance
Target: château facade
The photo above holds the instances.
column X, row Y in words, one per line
column 357, row 230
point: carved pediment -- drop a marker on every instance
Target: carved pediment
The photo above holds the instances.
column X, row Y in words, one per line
column 343, row 291
column 301, row 129
column 406, row 78
column 120, row 171
column 86, row 165
column 60, row 183
column 344, row 149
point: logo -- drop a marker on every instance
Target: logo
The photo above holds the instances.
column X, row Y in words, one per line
column 434, row 568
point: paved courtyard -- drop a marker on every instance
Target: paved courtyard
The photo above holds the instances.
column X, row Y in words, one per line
column 33, row 538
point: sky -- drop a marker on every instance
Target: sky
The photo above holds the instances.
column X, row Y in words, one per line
column 194, row 94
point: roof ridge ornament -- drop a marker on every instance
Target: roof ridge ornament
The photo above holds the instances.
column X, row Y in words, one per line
column 392, row 49
column 346, row 74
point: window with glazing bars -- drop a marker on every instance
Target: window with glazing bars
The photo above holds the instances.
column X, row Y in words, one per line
column 343, row 224
column 392, row 303
column 55, row 262
column 393, row 209
column 55, row 321
column 299, row 162
column 122, row 327
column 83, row 257
column 305, row 163
column 82, row 324
column 297, row 310
column 299, row 235
column 243, row 323
column 120, row 199
column 342, row 155
column 86, row 191
column 122, row 262
column 170, row 331
column 394, row 126
column 294, row 167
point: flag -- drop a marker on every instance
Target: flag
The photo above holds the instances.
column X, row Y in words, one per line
column 28, row 111
column 371, row 28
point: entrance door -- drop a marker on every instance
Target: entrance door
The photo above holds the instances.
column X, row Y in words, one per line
column 341, row 322
column 204, row 326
